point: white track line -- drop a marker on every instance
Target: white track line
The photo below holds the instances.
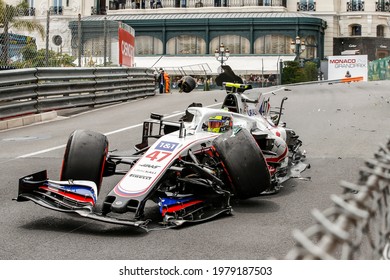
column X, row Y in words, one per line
column 42, row 151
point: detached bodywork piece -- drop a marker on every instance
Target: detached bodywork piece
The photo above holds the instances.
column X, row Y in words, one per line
column 190, row 168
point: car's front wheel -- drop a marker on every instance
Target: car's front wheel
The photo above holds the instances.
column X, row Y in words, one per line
column 244, row 162
column 85, row 156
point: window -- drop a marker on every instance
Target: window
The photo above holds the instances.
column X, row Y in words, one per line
column 272, row 3
column 92, row 49
column 98, row 9
column 221, row 3
column 186, row 44
column 236, row 44
column 310, row 48
column 31, row 8
column 145, row 45
column 272, row 44
column 56, row 9
column 355, row 5
column 306, row 5
column 383, row 6
column 57, row 3
column 356, row 30
column 380, row 31
column 57, row 40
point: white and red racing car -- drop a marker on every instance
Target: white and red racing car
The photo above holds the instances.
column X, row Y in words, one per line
column 191, row 168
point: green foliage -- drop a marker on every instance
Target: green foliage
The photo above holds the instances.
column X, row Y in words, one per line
column 311, row 72
column 9, row 18
column 293, row 73
column 37, row 58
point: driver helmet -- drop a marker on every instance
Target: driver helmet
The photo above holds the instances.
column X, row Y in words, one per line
column 219, row 124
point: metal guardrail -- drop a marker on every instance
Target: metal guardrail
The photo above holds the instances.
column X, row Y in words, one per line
column 36, row 90
column 360, row 215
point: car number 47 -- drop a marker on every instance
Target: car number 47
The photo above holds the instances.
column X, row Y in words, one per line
column 158, row 156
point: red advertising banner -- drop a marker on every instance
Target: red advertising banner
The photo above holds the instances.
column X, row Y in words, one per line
column 126, row 48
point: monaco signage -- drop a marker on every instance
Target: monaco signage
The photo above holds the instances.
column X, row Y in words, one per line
column 126, row 48
column 344, row 66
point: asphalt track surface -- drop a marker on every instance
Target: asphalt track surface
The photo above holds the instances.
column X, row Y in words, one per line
column 340, row 125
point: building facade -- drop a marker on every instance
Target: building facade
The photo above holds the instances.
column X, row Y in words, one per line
column 247, row 27
column 53, row 13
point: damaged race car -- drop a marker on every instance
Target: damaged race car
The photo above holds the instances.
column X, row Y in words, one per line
column 189, row 170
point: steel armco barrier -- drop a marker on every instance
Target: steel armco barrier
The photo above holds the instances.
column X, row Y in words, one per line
column 37, row 90
column 357, row 225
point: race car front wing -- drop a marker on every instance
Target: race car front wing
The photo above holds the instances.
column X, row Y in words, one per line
column 80, row 197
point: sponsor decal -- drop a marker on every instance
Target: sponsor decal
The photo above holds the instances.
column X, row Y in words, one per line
column 145, row 171
column 158, row 156
column 166, row 146
column 252, row 112
column 162, row 154
column 348, row 63
column 151, row 166
column 126, row 48
column 143, row 177
column 352, row 66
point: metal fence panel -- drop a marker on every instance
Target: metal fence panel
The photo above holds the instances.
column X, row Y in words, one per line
column 16, row 109
column 64, row 74
column 16, row 77
column 64, row 102
column 42, row 89
column 18, row 92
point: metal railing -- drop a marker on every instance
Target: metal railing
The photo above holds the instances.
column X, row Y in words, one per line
column 306, row 6
column 382, row 6
column 354, row 6
column 147, row 4
column 360, row 215
column 37, row 90
column 23, row 12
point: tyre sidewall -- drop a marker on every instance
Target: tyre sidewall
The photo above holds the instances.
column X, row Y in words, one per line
column 85, row 156
column 244, row 162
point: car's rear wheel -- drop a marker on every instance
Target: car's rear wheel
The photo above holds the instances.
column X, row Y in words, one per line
column 244, row 163
column 85, row 156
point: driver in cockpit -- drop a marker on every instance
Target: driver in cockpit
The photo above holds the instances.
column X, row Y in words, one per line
column 219, row 124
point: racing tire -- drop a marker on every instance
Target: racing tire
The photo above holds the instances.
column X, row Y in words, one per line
column 85, row 157
column 244, row 162
column 187, row 84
